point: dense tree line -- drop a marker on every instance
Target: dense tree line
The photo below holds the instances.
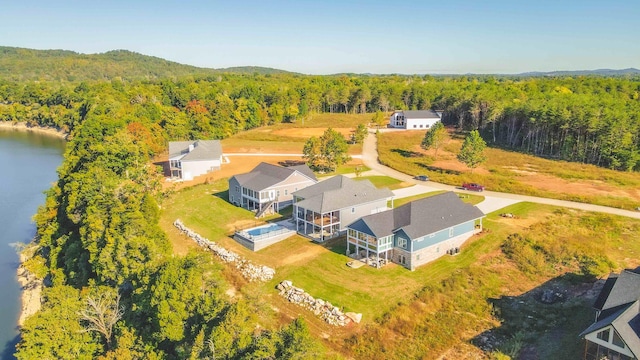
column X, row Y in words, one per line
column 114, row 290
column 586, row 119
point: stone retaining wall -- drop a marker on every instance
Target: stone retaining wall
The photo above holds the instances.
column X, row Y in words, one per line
column 250, row 271
column 323, row 309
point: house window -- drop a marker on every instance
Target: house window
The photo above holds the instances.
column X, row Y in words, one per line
column 286, row 191
column 231, row 199
column 450, row 232
column 414, row 126
column 418, row 257
column 617, row 340
column 402, row 242
column 237, row 188
column 277, row 192
column 603, row 335
column 420, row 126
column 353, row 210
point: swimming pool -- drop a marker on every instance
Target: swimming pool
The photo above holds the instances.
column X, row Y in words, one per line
column 257, row 231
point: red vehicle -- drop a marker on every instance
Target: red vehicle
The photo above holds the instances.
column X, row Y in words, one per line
column 472, row 187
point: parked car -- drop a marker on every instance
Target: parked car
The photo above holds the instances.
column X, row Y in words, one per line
column 422, row 178
column 473, row 187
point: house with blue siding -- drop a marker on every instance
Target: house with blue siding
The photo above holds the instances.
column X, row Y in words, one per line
column 415, row 233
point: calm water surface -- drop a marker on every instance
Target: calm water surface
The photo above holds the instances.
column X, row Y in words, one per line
column 28, row 165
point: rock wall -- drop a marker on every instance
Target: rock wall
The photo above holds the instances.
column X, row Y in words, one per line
column 323, row 309
column 248, row 270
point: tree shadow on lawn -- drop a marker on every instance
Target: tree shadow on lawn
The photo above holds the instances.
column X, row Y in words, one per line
column 542, row 323
column 406, row 153
column 438, row 169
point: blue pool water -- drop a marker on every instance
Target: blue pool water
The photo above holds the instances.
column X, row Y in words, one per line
column 264, row 230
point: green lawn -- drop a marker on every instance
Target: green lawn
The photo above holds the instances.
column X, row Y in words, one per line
column 385, row 181
column 398, row 300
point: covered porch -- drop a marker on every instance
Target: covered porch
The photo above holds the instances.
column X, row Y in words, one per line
column 373, row 251
column 317, row 226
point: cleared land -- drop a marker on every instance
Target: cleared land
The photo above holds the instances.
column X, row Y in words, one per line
column 392, row 298
column 511, row 172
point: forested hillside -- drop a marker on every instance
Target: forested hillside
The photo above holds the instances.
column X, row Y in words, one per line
column 585, row 119
column 101, row 252
column 20, row 64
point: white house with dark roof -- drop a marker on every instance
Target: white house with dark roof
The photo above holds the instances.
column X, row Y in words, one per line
column 415, row 233
column 323, row 210
column 188, row 159
column 615, row 334
column 414, row 119
column 269, row 187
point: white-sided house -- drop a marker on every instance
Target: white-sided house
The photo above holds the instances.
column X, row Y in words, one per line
column 188, row 159
column 268, row 188
column 615, row 334
column 415, row 233
column 323, row 210
column 414, row 119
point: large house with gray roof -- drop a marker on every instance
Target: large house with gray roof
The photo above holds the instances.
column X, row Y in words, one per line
column 415, row 233
column 188, row 159
column 615, row 334
column 323, row 210
column 414, row 119
column 269, row 188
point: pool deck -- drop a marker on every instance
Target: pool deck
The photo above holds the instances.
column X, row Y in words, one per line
column 259, row 242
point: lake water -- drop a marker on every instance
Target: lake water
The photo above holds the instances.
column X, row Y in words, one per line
column 28, row 163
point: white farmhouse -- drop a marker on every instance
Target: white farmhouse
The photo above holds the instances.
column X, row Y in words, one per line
column 414, row 119
column 188, row 159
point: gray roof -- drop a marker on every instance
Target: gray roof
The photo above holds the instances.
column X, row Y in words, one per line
column 625, row 320
column 202, row 150
column 339, row 192
column 419, row 218
column 419, row 114
column 266, row 175
column 625, row 289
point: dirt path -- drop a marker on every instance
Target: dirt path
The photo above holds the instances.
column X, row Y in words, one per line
column 370, row 159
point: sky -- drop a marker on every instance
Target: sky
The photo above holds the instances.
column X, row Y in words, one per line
column 338, row 36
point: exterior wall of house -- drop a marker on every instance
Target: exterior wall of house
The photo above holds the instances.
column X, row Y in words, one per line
column 191, row 169
column 428, row 248
column 347, row 215
column 235, row 192
column 397, row 120
column 593, row 337
column 441, row 236
column 284, row 189
column 420, row 123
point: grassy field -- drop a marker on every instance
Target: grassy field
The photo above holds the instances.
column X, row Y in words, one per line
column 512, row 172
column 290, row 137
column 385, row 181
column 399, row 304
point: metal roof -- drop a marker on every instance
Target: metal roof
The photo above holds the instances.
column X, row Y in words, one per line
column 339, row 192
column 420, row 217
column 266, row 175
column 419, row 114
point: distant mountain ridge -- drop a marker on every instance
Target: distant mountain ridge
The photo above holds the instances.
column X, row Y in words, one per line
column 602, row 72
column 23, row 64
